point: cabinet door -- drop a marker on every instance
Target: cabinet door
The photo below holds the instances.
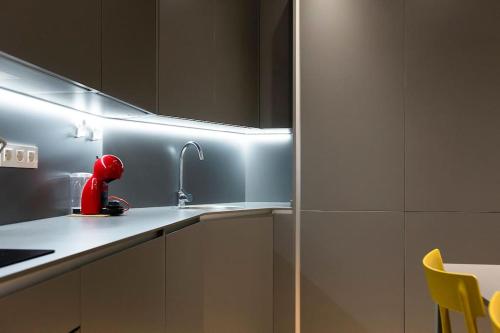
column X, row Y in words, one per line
column 186, row 58
column 209, row 60
column 237, row 62
column 125, row 292
column 129, row 51
column 184, row 280
column 59, row 35
column 220, row 276
column 239, row 275
column 52, row 306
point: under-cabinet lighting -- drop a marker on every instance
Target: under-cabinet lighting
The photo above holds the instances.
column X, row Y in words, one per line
column 93, row 123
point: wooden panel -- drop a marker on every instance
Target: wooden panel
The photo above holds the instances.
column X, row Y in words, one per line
column 184, row 280
column 352, row 268
column 129, row 51
column 125, row 292
column 352, row 104
column 236, row 62
column 186, row 58
column 239, row 275
column 59, row 35
column 452, row 118
column 49, row 307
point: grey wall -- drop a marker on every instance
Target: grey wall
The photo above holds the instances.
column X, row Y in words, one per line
column 269, row 167
column 400, row 155
column 151, row 155
column 236, row 168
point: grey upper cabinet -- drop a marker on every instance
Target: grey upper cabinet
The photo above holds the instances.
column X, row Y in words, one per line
column 208, row 60
column 236, row 35
column 52, row 306
column 276, row 63
column 186, row 54
column 125, row 292
column 61, row 36
column 129, row 51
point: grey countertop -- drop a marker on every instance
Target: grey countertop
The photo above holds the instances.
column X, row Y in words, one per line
column 72, row 236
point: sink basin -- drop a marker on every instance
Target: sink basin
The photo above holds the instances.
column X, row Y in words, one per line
column 210, row 207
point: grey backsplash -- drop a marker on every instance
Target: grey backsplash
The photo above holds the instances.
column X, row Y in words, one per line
column 33, row 194
column 251, row 169
column 236, row 167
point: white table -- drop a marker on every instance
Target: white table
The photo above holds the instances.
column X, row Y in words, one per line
column 487, row 275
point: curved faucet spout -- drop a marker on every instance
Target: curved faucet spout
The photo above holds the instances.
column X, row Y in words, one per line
column 183, row 196
column 196, row 145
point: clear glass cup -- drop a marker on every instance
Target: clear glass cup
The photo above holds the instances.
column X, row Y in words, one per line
column 77, row 182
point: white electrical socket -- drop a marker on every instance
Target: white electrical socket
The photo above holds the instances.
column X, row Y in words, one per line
column 19, row 156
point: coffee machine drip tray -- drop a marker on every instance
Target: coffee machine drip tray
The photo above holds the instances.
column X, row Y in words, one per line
column 14, row 256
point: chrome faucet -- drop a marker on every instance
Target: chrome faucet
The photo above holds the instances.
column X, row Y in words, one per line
column 183, row 196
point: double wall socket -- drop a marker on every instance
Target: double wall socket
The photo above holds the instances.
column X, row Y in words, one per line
column 19, row 156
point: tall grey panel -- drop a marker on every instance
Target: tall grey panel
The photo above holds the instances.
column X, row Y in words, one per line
column 151, row 156
column 44, row 192
column 352, row 104
column 352, row 272
column 269, row 167
column 62, row 36
column 462, row 238
column 452, row 104
column 276, row 63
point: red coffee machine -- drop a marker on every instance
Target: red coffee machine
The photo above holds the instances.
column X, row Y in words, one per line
column 95, row 192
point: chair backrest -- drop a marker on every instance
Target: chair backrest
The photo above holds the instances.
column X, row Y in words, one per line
column 494, row 311
column 453, row 291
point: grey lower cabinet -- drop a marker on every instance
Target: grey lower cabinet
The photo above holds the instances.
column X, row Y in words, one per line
column 52, row 306
column 219, row 276
column 125, row 292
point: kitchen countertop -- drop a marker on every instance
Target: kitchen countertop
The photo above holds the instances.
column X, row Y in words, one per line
column 72, row 236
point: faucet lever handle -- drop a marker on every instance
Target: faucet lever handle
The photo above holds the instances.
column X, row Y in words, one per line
column 183, row 196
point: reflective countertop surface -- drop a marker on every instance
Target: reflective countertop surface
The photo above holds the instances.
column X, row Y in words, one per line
column 71, row 236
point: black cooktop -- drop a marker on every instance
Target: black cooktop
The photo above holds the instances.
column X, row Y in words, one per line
column 13, row 256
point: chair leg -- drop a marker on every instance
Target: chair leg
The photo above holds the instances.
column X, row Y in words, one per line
column 438, row 319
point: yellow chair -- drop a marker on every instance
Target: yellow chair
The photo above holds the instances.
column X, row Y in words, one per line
column 453, row 291
column 494, row 310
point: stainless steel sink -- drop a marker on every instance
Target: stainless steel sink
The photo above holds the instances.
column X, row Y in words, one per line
column 212, row 207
